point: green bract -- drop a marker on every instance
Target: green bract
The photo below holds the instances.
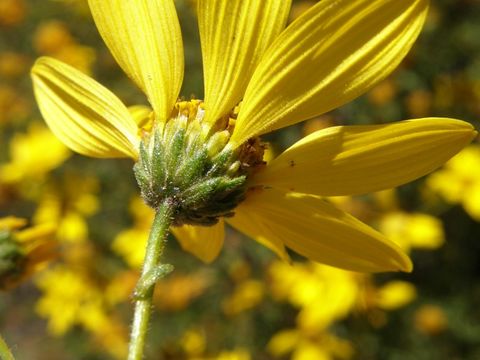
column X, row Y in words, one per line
column 202, row 176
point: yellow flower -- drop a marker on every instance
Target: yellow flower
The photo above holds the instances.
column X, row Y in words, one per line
column 237, row 354
column 194, row 343
column 53, row 38
column 259, row 77
column 395, row 294
column 13, row 106
column 430, row 319
column 12, row 65
column 305, row 346
column 417, row 230
column 50, row 36
column 459, row 180
column 246, row 295
column 323, row 293
column 12, row 12
column 177, row 291
column 33, row 155
column 73, row 297
column 68, row 205
column 130, row 243
column 23, row 252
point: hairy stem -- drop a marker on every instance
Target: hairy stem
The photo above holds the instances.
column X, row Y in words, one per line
column 145, row 286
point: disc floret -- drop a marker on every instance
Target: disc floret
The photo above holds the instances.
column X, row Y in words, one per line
column 194, row 166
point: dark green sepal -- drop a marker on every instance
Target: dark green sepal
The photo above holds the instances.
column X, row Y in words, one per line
column 220, row 162
column 174, row 156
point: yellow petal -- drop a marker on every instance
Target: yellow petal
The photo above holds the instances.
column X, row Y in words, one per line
column 331, row 54
column 317, row 230
column 234, row 35
column 245, row 222
column 140, row 114
column 349, row 160
column 205, row 242
column 144, row 37
column 83, row 114
column 143, row 117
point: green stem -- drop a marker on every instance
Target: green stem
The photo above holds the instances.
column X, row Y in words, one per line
column 145, row 287
column 5, row 353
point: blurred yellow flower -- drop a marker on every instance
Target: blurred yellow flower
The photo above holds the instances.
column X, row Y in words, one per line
column 67, row 205
column 23, row 252
column 237, row 354
column 318, row 123
column 174, row 293
column 430, row 319
column 419, row 103
column 246, row 295
column 12, row 65
column 53, row 38
column 130, row 243
column 395, row 294
column 194, row 343
column 412, row 230
column 33, row 155
column 13, row 106
column 383, row 93
column 178, row 290
column 323, row 294
column 259, row 76
column 240, row 270
column 459, row 180
column 12, row 12
column 71, row 297
column 120, row 287
column 322, row 346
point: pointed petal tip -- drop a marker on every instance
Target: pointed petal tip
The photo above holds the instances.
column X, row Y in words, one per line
column 352, row 160
column 315, row 229
column 399, row 261
column 405, row 264
column 464, row 131
column 37, row 61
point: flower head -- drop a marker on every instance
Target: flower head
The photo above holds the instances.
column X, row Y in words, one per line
column 206, row 157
